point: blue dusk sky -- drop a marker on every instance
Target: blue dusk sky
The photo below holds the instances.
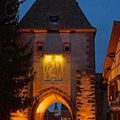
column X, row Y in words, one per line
column 101, row 14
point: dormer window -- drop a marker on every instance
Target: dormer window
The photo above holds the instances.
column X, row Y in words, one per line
column 54, row 19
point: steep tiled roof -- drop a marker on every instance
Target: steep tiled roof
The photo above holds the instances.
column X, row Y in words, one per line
column 54, row 14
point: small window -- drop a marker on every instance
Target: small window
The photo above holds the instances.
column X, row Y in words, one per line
column 67, row 48
column 54, row 18
column 39, row 47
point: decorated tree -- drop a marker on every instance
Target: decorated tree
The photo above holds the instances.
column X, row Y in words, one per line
column 16, row 71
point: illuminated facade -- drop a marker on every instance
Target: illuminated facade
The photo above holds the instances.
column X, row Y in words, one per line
column 64, row 59
column 111, row 75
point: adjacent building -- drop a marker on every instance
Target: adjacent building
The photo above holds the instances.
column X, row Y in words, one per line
column 111, row 76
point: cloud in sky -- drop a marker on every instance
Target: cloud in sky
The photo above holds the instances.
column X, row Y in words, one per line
column 101, row 14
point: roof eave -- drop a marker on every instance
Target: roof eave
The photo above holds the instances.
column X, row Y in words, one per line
column 61, row 30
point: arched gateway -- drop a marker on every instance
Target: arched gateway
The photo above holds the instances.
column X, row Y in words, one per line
column 48, row 97
column 63, row 42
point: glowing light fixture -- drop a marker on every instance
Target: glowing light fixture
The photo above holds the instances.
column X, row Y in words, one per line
column 58, row 58
column 48, row 58
column 55, row 58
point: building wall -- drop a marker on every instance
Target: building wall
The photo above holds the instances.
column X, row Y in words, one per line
column 115, row 69
column 111, row 74
column 114, row 86
column 80, row 58
column 114, row 82
column 40, row 83
column 77, row 58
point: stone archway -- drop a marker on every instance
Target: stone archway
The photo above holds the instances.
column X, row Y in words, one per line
column 46, row 98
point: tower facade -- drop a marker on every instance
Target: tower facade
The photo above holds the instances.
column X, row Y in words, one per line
column 64, row 61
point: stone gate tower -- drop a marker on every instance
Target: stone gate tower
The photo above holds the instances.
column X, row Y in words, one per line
column 64, row 61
